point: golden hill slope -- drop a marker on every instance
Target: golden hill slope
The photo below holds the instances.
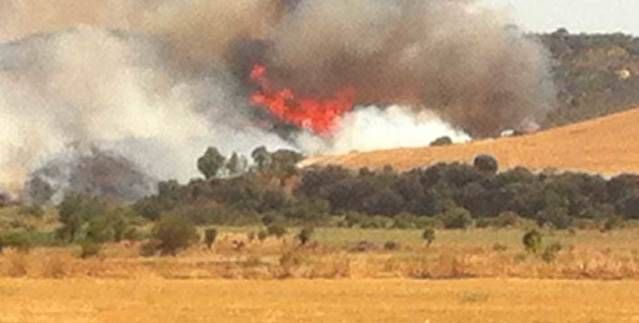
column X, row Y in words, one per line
column 608, row 145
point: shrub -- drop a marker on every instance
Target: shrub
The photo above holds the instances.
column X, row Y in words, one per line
column 612, row 223
column 391, row 245
column 174, row 233
column 486, row 164
column 276, row 230
column 457, row 218
column 500, row 247
column 149, row 248
column 89, row 248
column 550, row 252
column 305, row 235
column 32, row 210
column 428, row 235
column 209, row 237
column 532, row 241
column 20, row 241
column 262, row 235
column 441, row 141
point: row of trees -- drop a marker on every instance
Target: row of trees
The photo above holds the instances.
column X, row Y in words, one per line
column 453, row 194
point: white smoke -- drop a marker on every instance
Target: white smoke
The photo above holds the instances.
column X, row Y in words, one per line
column 372, row 128
column 92, row 86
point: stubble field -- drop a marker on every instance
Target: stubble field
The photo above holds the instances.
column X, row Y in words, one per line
column 352, row 300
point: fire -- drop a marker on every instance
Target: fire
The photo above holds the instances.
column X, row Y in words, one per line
column 316, row 115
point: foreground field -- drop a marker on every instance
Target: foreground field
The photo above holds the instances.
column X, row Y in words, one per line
column 487, row 300
column 605, row 145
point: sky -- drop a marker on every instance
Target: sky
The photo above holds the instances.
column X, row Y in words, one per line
column 591, row 16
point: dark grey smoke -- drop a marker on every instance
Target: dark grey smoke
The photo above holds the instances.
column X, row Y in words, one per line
column 159, row 81
column 89, row 171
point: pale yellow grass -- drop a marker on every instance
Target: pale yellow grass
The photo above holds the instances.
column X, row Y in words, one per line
column 606, row 145
column 486, row 300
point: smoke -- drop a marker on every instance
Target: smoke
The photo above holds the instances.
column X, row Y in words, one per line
column 370, row 128
column 91, row 171
column 159, row 81
column 451, row 57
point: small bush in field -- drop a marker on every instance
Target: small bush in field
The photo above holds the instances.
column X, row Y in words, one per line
column 550, row 252
column 500, row 247
column 391, row 245
column 532, row 241
column 305, row 235
column 209, row 237
column 20, row 241
column 276, row 230
column 174, row 233
column 262, row 235
column 89, row 249
column 428, row 235
column 149, row 248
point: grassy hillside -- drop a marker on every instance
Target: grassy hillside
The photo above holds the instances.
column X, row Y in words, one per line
column 605, row 145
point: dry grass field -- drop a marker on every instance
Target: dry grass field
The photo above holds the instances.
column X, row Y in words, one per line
column 606, row 145
column 354, row 300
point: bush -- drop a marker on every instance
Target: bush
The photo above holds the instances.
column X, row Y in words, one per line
column 262, row 235
column 209, row 237
column 174, row 233
column 276, row 230
column 457, row 218
column 550, row 252
column 305, row 235
column 17, row 240
column 149, row 248
column 441, row 141
column 391, row 245
column 89, row 249
column 532, row 241
column 486, row 164
column 429, row 236
column 32, row 210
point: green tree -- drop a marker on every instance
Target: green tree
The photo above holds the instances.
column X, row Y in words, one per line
column 457, row 218
column 77, row 212
column 262, row 157
column 173, row 233
column 532, row 241
column 305, row 235
column 276, row 230
column 209, row 237
column 486, row 164
column 428, row 235
column 210, row 163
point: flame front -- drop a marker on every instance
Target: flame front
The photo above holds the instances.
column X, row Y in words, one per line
column 316, row 115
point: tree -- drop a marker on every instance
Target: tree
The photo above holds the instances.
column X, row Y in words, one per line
column 209, row 237
column 305, row 235
column 441, row 141
column 457, row 218
column 235, row 165
column 276, row 230
column 429, row 235
column 210, row 163
column 486, row 164
column 173, row 233
column 532, row 241
column 261, row 157
column 75, row 212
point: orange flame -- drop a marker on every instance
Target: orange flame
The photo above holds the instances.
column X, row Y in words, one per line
column 318, row 116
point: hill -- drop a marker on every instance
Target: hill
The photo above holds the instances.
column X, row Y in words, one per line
column 595, row 74
column 605, row 145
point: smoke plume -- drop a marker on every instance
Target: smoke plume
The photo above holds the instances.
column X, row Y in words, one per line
column 157, row 82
